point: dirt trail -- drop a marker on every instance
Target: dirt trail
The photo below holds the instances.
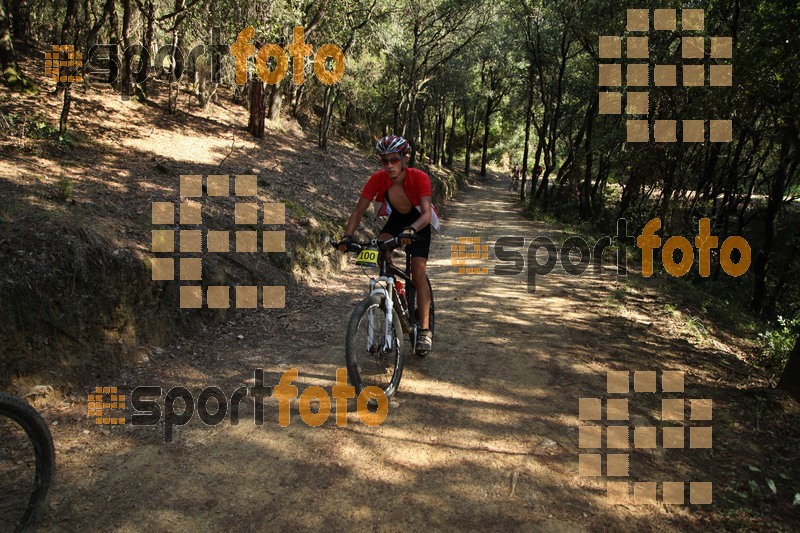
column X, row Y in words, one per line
column 484, row 434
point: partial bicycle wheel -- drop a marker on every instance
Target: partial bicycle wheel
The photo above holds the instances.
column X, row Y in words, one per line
column 27, row 464
column 411, row 292
column 369, row 361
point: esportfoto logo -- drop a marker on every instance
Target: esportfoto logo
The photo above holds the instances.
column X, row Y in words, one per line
column 575, row 256
column 372, row 404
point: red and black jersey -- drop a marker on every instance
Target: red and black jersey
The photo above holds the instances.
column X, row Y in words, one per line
column 416, row 185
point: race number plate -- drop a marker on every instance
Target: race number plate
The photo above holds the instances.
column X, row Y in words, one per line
column 367, row 257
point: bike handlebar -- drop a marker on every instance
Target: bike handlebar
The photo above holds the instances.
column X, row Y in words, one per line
column 355, row 246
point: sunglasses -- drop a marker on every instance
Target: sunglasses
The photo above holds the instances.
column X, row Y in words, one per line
column 390, row 161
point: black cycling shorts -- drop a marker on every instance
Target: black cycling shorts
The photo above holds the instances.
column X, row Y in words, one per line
column 394, row 226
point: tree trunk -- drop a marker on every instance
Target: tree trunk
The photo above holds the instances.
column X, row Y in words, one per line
column 630, row 190
column 62, row 123
column 176, row 59
column 91, row 36
column 275, row 102
column 21, row 20
column 127, row 52
column 257, row 108
column 298, row 97
column 786, row 166
column 85, row 22
column 469, row 129
column 113, row 67
column 437, row 131
column 143, row 71
column 528, row 111
column 11, row 73
column 599, row 186
column 790, row 378
column 421, row 126
column 586, row 187
column 176, row 66
column 114, row 29
column 541, row 151
column 440, row 130
column 69, row 19
column 451, row 137
column 412, row 129
column 113, row 71
column 485, row 149
column 325, row 120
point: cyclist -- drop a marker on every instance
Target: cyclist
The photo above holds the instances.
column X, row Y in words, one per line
column 514, row 178
column 405, row 196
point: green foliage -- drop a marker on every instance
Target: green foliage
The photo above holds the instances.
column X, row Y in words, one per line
column 777, row 342
column 22, row 127
column 772, row 489
column 40, row 129
column 65, row 186
column 16, row 81
column 697, row 327
column 65, row 141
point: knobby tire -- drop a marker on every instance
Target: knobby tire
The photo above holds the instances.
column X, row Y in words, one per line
column 356, row 349
column 26, row 417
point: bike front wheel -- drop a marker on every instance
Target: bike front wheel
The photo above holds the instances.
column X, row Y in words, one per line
column 369, row 360
column 27, row 464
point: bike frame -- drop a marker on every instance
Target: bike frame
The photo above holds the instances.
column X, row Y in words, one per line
column 384, row 286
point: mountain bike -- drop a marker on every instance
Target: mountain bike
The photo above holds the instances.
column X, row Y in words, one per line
column 374, row 342
column 27, row 464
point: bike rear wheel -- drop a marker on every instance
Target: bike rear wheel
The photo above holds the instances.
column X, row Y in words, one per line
column 27, row 464
column 368, row 360
column 411, row 291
